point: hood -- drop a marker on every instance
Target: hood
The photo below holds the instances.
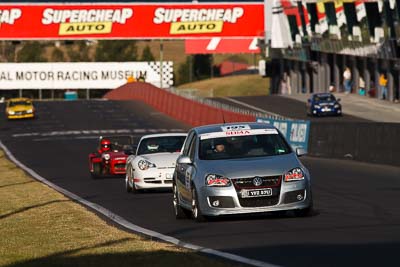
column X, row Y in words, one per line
column 163, row 160
column 260, row 166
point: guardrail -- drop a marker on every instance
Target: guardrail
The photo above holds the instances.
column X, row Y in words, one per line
column 219, row 105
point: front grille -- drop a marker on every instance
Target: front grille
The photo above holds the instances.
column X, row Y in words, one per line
column 247, row 183
column 221, row 202
column 119, row 166
column 259, row 201
column 293, row 196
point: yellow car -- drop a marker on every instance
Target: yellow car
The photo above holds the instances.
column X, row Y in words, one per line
column 20, row 108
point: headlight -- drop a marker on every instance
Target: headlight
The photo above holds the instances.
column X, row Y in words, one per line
column 29, row 111
column 294, row 175
column 217, row 180
column 317, row 106
column 106, row 156
column 10, row 112
column 337, row 106
column 144, row 165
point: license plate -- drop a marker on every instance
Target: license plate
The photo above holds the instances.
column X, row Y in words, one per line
column 326, row 109
column 265, row 192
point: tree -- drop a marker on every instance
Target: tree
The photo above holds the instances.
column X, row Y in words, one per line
column 30, row 52
column 147, row 55
column 184, row 74
column 116, row 50
column 57, row 55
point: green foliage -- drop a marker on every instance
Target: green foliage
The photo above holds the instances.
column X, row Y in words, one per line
column 79, row 52
column 116, row 50
column 184, row 72
column 31, row 52
column 147, row 55
column 57, row 55
column 202, row 66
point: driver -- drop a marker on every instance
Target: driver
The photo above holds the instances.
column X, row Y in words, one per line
column 105, row 145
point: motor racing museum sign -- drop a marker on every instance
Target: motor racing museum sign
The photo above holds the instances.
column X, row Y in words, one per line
column 100, row 75
column 130, row 21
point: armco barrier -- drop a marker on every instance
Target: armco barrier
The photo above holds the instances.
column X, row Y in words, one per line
column 363, row 141
column 178, row 107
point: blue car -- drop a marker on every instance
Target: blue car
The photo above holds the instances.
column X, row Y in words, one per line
column 322, row 104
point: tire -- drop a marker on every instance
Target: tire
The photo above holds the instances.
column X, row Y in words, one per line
column 127, row 186
column 196, row 211
column 180, row 213
column 96, row 170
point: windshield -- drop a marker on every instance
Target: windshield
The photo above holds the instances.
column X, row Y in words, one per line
column 118, row 143
column 243, row 147
column 324, row 98
column 161, row 144
column 19, row 103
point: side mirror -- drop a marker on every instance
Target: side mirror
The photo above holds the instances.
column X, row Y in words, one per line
column 300, row 152
column 184, row 160
column 338, row 100
column 309, row 100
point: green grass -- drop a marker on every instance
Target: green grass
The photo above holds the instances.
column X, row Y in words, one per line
column 240, row 85
column 41, row 227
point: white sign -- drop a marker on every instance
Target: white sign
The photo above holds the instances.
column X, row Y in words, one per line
column 99, row 75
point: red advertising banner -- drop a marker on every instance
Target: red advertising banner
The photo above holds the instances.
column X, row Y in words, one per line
column 217, row 45
column 130, row 21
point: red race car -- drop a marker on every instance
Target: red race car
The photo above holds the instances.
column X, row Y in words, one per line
column 110, row 157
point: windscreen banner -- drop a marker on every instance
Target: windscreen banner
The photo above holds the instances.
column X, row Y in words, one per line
column 130, row 21
column 295, row 132
column 79, row 75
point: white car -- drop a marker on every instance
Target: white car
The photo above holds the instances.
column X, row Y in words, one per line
column 153, row 164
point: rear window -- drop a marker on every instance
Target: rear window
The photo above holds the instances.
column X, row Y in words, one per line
column 247, row 146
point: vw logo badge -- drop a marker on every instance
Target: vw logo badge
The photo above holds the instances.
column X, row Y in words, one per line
column 257, row 181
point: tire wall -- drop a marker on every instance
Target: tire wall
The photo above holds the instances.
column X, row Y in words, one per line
column 180, row 108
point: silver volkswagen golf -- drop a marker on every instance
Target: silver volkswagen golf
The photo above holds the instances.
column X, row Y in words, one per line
column 239, row 168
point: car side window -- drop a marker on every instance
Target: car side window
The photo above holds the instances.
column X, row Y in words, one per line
column 185, row 151
column 192, row 147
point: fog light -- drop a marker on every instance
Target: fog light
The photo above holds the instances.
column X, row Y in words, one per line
column 215, row 203
column 314, row 112
column 299, row 197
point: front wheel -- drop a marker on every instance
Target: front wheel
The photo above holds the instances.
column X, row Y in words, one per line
column 180, row 213
column 196, row 211
column 127, row 186
column 96, row 170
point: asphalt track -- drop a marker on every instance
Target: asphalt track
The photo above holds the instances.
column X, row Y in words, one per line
column 286, row 107
column 357, row 217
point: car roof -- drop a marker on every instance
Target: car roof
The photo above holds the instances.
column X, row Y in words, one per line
column 163, row 134
column 219, row 127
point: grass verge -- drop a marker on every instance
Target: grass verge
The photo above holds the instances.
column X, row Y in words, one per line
column 41, row 227
column 240, row 85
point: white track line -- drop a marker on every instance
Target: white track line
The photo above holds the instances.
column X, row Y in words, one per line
column 123, row 222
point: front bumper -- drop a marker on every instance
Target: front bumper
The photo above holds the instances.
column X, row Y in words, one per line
column 21, row 116
column 230, row 200
column 154, row 178
column 326, row 112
